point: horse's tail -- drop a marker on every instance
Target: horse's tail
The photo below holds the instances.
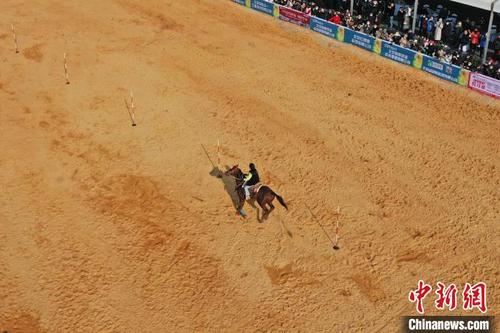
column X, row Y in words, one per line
column 280, row 199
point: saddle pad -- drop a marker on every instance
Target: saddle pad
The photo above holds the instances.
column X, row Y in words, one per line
column 257, row 187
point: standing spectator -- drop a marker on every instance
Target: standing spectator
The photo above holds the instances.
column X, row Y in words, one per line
column 439, row 29
column 378, row 19
column 303, row 7
column 396, row 38
column 308, row 10
column 400, row 17
column 404, row 41
column 441, row 55
column 315, row 10
column 407, row 20
column 430, row 27
column 322, row 13
column 465, row 41
column 369, row 28
column 447, row 31
column 423, row 25
column 467, row 25
column 474, row 39
column 482, row 44
column 344, row 5
column 444, row 13
column 335, row 18
column 371, row 18
column 389, row 11
column 458, row 35
column 496, row 47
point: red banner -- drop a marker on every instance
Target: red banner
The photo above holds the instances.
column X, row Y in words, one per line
column 293, row 16
column 484, row 84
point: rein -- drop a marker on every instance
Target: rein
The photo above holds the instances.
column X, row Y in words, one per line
column 238, row 180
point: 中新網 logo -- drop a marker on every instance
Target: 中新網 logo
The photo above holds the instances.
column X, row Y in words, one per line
column 473, row 296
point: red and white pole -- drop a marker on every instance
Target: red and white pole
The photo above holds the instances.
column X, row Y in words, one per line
column 132, row 108
column 15, row 38
column 336, row 245
column 66, row 74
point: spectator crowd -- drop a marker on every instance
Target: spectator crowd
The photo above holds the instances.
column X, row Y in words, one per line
column 438, row 32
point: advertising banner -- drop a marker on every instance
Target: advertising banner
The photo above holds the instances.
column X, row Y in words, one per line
column 323, row 27
column 293, row 16
column 359, row 39
column 262, row 6
column 241, row 2
column 400, row 54
column 484, row 84
column 443, row 70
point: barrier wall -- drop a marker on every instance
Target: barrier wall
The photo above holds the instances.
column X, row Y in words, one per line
column 242, row 2
column 359, row 39
column 293, row 16
column 401, row 55
column 445, row 71
column 323, row 27
column 484, row 84
column 262, row 6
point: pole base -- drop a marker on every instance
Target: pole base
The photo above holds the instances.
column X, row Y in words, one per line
column 134, row 124
column 336, row 247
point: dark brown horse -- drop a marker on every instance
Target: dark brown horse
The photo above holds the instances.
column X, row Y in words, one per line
column 264, row 196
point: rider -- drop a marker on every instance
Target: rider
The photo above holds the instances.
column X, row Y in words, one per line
column 250, row 180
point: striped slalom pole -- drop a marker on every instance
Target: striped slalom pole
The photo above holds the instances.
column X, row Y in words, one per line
column 132, row 108
column 66, row 74
column 336, row 245
column 15, row 37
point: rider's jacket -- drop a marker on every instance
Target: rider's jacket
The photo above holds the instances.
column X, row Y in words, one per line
column 252, row 178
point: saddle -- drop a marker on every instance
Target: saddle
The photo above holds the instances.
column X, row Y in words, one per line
column 255, row 189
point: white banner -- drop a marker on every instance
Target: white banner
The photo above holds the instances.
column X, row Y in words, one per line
column 484, row 84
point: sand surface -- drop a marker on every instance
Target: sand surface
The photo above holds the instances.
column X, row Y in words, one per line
column 105, row 227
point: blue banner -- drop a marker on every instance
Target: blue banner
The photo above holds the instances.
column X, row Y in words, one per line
column 359, row 39
column 398, row 53
column 262, row 6
column 441, row 69
column 241, row 2
column 323, row 27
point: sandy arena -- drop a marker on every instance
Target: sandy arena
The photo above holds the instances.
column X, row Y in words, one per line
column 105, row 227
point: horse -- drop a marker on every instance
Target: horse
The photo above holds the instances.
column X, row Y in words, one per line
column 265, row 195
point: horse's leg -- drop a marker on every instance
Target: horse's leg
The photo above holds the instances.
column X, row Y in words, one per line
column 241, row 198
column 272, row 207
column 251, row 202
column 262, row 204
column 269, row 202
